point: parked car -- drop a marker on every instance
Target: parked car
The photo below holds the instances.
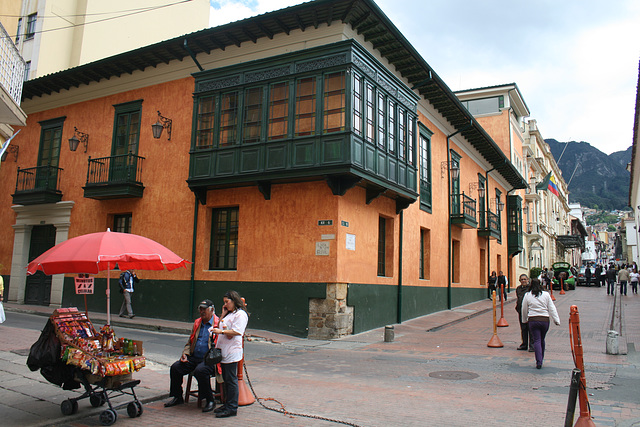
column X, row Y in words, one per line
column 565, row 267
column 582, row 279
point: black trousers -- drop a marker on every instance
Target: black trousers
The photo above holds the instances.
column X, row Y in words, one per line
column 524, row 332
column 611, row 286
column 201, row 372
column 230, row 377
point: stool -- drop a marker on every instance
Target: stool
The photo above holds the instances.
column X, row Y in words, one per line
column 217, row 391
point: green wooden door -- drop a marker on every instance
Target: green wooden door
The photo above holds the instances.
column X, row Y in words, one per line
column 48, row 157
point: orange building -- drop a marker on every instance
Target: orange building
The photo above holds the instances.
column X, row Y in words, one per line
column 310, row 159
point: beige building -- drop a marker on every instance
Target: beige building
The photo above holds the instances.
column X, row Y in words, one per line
column 55, row 35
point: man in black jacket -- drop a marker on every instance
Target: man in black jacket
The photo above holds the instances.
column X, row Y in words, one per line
column 522, row 289
column 611, row 279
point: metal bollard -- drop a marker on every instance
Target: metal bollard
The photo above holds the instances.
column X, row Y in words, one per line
column 573, row 396
column 612, row 342
column 388, row 333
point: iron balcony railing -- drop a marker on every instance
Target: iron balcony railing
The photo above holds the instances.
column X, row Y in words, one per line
column 493, row 221
column 12, row 66
column 39, row 178
column 461, row 204
column 532, row 227
column 118, row 169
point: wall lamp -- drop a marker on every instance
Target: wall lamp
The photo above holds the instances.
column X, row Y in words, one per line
column 162, row 123
column 454, row 169
column 77, row 138
column 481, row 189
column 498, row 204
column 11, row 149
column 525, row 210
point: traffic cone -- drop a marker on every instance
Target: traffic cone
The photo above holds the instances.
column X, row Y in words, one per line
column 576, row 348
column 561, row 286
column 494, row 341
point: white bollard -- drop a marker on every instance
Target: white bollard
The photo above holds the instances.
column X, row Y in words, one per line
column 612, row 342
column 388, row 333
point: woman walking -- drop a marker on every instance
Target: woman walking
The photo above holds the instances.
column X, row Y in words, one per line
column 233, row 322
column 537, row 309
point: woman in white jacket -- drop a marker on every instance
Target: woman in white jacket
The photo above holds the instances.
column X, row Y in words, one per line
column 537, row 309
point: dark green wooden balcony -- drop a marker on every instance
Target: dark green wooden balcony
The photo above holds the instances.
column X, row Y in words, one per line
column 515, row 240
column 37, row 185
column 463, row 211
column 114, row 177
column 491, row 227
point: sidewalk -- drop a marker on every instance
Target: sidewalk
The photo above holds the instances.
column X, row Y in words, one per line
column 438, row 371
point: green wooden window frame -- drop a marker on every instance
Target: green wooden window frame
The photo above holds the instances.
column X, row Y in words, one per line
column 50, row 142
column 126, row 128
column 306, row 106
column 425, row 169
column 357, row 104
column 482, row 202
column 205, row 121
column 30, row 30
column 370, row 113
column 499, row 214
column 334, row 102
column 391, row 112
column 382, row 245
column 224, row 239
column 228, row 130
column 253, row 115
column 122, row 223
column 425, row 254
column 278, row 119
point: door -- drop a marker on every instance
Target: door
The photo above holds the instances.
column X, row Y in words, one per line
column 48, row 157
column 125, row 147
column 38, row 287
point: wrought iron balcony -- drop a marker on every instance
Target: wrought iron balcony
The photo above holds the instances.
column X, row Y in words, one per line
column 463, row 211
column 491, row 227
column 40, row 184
column 12, row 68
column 114, row 177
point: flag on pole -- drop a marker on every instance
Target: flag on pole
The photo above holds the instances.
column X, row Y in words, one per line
column 553, row 187
column 544, row 184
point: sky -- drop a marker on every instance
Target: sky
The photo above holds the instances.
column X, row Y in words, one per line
column 574, row 61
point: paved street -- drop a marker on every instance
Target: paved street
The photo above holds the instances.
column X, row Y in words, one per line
column 438, row 371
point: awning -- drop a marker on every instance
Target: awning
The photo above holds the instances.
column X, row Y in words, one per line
column 571, row 241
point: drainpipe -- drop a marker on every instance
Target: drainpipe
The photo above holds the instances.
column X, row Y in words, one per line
column 399, row 311
column 449, row 210
column 193, row 55
column 193, row 258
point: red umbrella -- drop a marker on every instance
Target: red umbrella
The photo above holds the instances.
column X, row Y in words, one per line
column 95, row 252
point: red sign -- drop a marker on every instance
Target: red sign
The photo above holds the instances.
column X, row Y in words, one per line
column 84, row 285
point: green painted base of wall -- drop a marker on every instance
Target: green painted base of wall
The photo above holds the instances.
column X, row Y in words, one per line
column 376, row 305
column 277, row 307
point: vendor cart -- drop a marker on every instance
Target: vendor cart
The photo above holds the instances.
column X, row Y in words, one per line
column 96, row 361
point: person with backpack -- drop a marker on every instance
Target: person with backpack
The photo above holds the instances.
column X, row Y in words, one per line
column 127, row 279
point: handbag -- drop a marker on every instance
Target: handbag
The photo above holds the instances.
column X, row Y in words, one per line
column 213, row 356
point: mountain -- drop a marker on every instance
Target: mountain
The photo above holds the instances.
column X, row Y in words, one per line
column 600, row 180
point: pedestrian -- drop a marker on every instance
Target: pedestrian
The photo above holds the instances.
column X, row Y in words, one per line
column 233, row 322
column 192, row 360
column 2, row 315
column 501, row 284
column 623, row 278
column 611, row 279
column 587, row 274
column 537, row 309
column 127, row 279
column 492, row 284
column 633, row 279
column 521, row 290
column 603, row 275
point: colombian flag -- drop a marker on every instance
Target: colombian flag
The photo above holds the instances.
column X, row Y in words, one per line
column 553, row 187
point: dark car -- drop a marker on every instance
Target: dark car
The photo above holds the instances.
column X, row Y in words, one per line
column 582, row 278
column 570, row 280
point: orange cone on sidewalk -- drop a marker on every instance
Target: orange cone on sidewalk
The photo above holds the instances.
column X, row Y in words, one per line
column 502, row 322
column 576, row 348
column 494, row 341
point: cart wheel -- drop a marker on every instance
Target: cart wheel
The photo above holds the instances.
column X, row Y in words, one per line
column 97, row 399
column 69, row 407
column 108, row 417
column 132, row 409
column 139, row 405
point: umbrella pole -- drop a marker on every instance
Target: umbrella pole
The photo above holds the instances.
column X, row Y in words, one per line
column 85, row 306
column 108, row 291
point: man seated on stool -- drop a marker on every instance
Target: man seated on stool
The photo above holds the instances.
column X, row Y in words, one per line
column 192, row 360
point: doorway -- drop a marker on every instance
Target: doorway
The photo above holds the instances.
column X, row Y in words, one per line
column 38, row 286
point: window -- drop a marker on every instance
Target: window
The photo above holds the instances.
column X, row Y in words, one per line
column 425, row 169
column 18, row 29
column 382, row 244
column 485, row 105
column 127, row 129
column 357, row 104
column 370, row 118
column 205, row 122
column 410, row 125
column 278, row 110
column 27, row 70
column 305, row 124
column 31, row 26
column 228, row 119
column 455, row 261
column 334, row 102
column 224, row 239
column 425, row 254
column 252, row 115
column 381, row 121
column 402, row 133
column 46, row 175
column 392, row 127
column 122, row 223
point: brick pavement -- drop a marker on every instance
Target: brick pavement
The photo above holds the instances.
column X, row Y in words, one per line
column 438, row 371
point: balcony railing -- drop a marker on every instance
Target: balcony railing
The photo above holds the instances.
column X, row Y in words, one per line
column 114, row 177
column 12, row 66
column 463, row 211
column 532, row 228
column 491, row 228
column 40, row 184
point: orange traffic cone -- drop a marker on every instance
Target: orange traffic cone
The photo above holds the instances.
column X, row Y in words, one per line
column 494, row 341
column 502, row 322
column 576, row 348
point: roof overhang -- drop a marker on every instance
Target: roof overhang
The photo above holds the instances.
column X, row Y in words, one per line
column 571, row 241
column 364, row 16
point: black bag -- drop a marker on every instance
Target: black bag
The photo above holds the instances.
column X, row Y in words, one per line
column 121, row 282
column 213, row 357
